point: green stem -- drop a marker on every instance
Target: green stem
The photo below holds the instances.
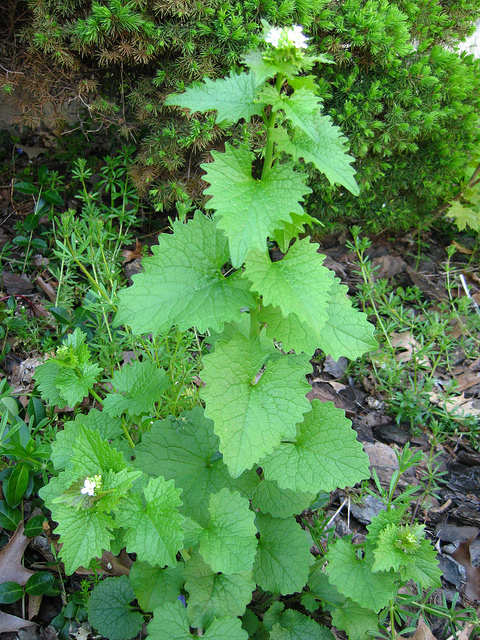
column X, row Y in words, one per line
column 267, row 163
column 96, row 396
column 127, row 435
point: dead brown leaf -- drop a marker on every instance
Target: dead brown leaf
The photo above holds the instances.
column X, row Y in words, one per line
column 11, row 568
column 422, row 632
column 34, row 603
column 465, row 632
column 407, row 347
column 10, row 623
column 463, row 557
column 467, row 380
column 461, row 405
column 47, row 288
column 461, row 249
column 132, row 255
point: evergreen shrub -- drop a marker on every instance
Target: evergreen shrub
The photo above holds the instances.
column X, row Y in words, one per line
column 406, row 100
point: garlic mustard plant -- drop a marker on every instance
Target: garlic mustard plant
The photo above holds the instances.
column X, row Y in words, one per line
column 207, row 501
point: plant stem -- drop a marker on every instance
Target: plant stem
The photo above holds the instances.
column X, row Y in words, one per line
column 127, row 435
column 267, row 163
column 96, row 396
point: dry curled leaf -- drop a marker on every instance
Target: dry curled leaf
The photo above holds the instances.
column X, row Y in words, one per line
column 407, row 347
column 10, row 623
column 11, row 568
column 132, row 255
column 422, row 632
column 463, row 557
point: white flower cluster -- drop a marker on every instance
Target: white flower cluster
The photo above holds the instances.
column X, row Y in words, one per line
column 90, row 485
column 287, row 37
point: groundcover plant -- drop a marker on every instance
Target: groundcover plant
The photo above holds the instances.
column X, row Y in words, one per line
column 206, row 500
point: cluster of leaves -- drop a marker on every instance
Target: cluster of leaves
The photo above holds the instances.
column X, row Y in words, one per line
column 207, row 501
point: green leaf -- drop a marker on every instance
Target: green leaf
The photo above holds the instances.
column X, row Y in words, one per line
column 10, row 592
column 353, row 576
column 324, row 146
column 154, row 586
column 215, row 595
column 298, row 108
column 290, row 230
column 185, row 450
column 233, row 97
column 238, row 404
column 9, row 518
column 250, row 210
column 39, row 583
column 228, row 543
column 185, row 287
column 357, row 622
column 154, row 529
column 320, row 587
column 347, row 331
column 137, row 386
column 288, row 331
column 297, row 626
column 106, row 426
column 265, row 69
column 84, row 534
column 16, row 484
column 68, row 378
column 27, row 188
column 299, row 283
column 325, row 453
column 34, row 527
column 279, row 503
column 405, row 550
column 464, row 216
column 170, row 622
column 293, row 625
column 92, row 454
column 109, row 609
column 283, row 557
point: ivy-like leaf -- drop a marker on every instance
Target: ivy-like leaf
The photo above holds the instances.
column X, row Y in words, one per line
column 184, row 288
column 170, row 622
column 228, row 543
column 238, row 404
column 249, row 210
column 185, row 450
column 324, row 147
column 215, row 595
column 154, row 586
column 233, row 97
column 137, row 387
column 283, row 557
column 153, row 530
column 109, row 609
column 352, row 574
column 325, row 453
column 299, row 283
